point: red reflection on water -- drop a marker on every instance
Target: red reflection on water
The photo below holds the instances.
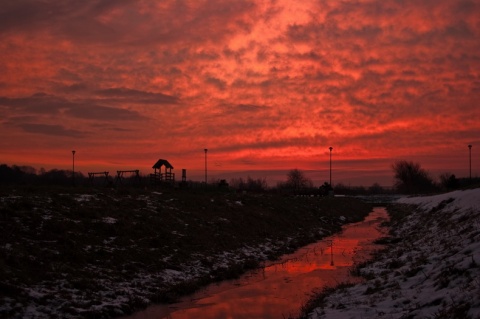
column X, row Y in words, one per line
column 279, row 289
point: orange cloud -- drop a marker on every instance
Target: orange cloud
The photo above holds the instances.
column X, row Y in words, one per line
column 262, row 84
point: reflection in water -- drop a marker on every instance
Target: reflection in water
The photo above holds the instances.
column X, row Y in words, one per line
column 279, row 289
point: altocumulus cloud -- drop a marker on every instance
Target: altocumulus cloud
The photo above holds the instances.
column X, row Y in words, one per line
column 136, row 96
column 50, row 129
column 254, row 78
column 99, row 112
column 41, row 103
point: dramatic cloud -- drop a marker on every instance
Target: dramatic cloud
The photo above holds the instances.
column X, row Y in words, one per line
column 135, row 96
column 264, row 84
column 56, row 130
column 41, row 103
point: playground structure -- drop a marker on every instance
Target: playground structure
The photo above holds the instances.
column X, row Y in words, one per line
column 135, row 174
column 92, row 175
column 166, row 177
column 119, row 178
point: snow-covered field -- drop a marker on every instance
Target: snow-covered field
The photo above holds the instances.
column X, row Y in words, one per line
column 432, row 272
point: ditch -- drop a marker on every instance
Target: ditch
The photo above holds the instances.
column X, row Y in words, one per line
column 280, row 288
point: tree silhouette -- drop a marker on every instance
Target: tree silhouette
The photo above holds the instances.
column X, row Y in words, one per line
column 449, row 181
column 411, row 178
column 16, row 174
column 296, row 180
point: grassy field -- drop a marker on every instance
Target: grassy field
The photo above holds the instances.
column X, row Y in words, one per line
column 101, row 253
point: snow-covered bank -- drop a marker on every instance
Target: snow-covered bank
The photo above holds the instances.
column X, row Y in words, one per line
column 460, row 201
column 432, row 272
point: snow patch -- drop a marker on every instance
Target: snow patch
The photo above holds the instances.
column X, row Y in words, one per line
column 84, row 198
column 433, row 270
column 109, row 220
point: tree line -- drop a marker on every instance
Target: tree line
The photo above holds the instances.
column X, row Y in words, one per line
column 28, row 175
column 410, row 178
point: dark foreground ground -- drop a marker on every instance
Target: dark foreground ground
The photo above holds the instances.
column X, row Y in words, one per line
column 85, row 253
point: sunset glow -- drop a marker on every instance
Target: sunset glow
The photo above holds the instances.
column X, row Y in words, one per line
column 266, row 86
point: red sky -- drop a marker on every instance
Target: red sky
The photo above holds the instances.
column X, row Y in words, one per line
column 266, row 86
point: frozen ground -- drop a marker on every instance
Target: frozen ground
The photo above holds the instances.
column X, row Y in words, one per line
column 87, row 253
column 433, row 271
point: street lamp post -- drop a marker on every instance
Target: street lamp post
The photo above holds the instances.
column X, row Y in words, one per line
column 73, row 168
column 205, row 166
column 330, row 148
column 470, row 160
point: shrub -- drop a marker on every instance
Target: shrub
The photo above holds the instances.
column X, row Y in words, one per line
column 411, row 178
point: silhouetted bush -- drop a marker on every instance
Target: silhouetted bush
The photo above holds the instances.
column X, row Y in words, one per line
column 349, row 190
column 21, row 175
column 376, row 189
column 296, row 181
column 448, row 181
column 61, row 178
column 325, row 189
column 411, row 178
column 16, row 174
column 250, row 184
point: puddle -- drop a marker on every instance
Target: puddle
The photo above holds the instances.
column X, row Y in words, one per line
column 280, row 288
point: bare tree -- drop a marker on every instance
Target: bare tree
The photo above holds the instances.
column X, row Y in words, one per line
column 296, row 179
column 411, row 178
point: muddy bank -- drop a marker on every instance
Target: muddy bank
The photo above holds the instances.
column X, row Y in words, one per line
column 102, row 254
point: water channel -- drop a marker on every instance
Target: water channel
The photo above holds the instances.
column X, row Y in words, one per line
column 279, row 289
